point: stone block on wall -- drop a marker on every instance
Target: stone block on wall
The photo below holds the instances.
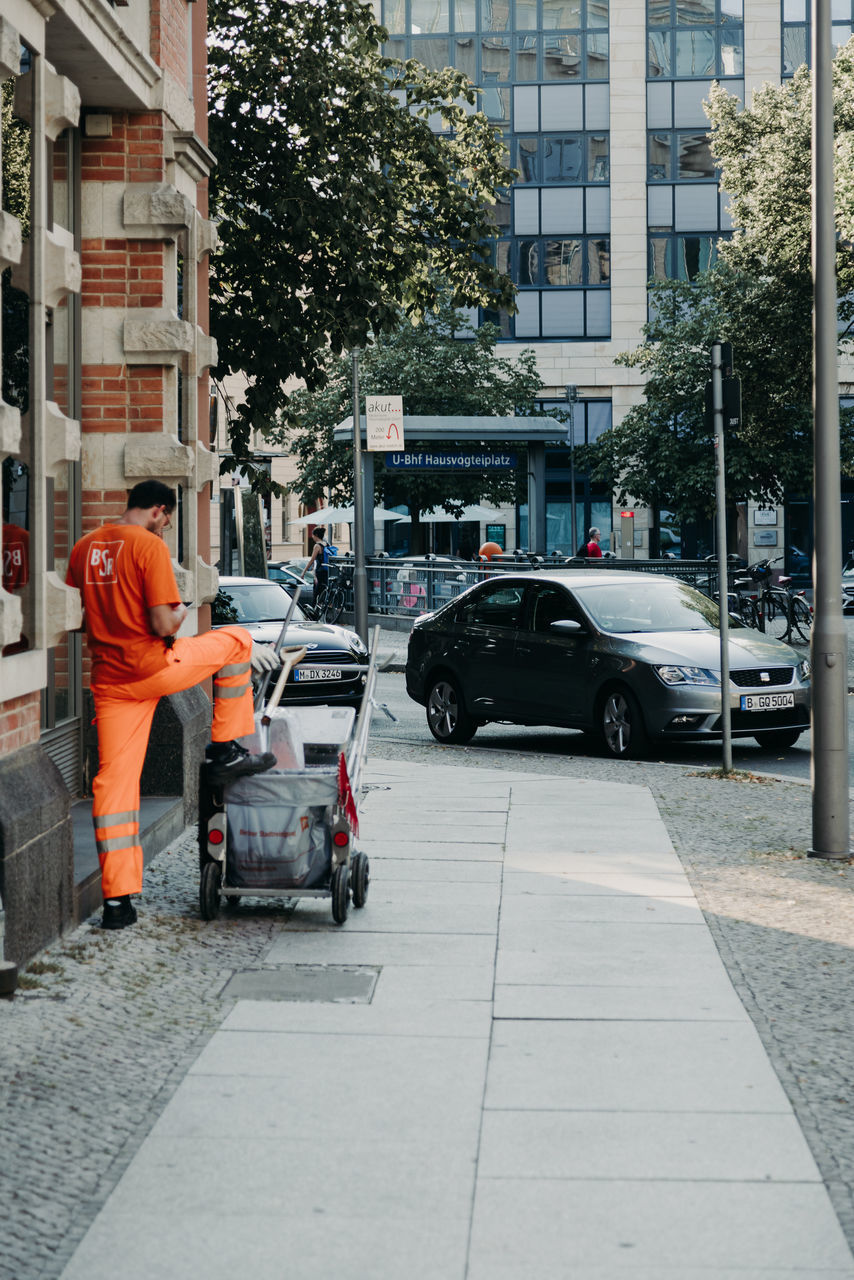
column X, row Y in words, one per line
column 158, row 338
column 62, row 439
column 62, row 270
column 207, row 466
column 62, row 611
column 11, row 618
column 10, row 50
column 207, row 236
column 10, row 428
column 10, row 239
column 159, row 457
column 206, row 351
column 192, row 155
column 62, row 104
column 156, row 211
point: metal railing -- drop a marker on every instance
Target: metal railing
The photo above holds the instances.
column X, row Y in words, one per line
column 404, row 588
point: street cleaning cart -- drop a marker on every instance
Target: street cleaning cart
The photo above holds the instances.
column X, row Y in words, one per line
column 291, row 832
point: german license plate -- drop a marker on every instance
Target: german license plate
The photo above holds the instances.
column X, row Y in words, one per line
column 766, row 701
column 317, row 673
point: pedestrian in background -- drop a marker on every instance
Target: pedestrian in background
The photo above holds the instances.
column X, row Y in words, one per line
column 594, row 551
column 132, row 611
column 319, row 558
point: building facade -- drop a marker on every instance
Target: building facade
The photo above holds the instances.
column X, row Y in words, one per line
column 104, row 240
column 600, row 102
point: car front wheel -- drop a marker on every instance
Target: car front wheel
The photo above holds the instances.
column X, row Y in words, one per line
column 447, row 718
column 778, row 739
column 621, row 725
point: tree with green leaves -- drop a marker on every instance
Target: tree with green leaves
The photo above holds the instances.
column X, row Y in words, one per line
column 758, row 297
column 341, row 208
column 442, row 366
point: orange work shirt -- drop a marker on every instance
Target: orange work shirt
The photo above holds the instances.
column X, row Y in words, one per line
column 122, row 571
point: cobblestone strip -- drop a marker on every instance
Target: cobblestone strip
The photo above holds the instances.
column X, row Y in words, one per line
column 94, row 1044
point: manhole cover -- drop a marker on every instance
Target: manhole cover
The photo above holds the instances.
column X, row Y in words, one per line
column 332, row 983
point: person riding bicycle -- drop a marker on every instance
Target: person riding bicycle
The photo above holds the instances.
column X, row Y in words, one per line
column 320, row 557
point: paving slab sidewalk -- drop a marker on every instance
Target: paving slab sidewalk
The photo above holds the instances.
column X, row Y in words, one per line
column 553, row 1076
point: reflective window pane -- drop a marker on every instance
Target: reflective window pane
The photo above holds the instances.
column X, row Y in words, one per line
column 527, row 160
column 597, row 57
column 732, row 11
column 495, row 103
column 658, row 13
column 598, row 158
column 695, row 53
column 394, row 16
column 794, row 48
column 659, row 258
column 495, row 59
column 465, row 15
column 502, row 256
column 732, row 53
column 561, row 57
column 695, row 156
column 659, row 161
column 529, row 262
column 564, row 262
column 693, row 255
column 429, row 15
column 560, row 14
column 495, row 15
column 695, row 13
column 526, row 15
column 597, row 14
column 598, row 261
column 432, row 53
column 527, row 49
column 465, row 56
column 659, row 56
column 794, row 10
column 563, row 159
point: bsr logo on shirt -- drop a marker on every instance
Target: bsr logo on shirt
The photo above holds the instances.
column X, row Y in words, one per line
column 101, row 562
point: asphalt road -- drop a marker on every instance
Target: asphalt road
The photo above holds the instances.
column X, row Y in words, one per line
column 411, row 728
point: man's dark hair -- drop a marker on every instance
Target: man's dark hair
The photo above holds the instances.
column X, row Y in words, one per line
column 152, row 493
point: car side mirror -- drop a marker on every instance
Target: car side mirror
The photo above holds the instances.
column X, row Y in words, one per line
column 566, row 626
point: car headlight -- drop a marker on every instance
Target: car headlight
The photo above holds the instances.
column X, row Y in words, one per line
column 358, row 646
column 804, row 669
column 687, row 675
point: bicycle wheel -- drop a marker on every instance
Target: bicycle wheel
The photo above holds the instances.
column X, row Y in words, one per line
column 777, row 615
column 748, row 612
column 801, row 620
column 334, row 604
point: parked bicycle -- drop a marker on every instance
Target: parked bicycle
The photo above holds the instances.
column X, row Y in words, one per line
column 333, row 600
column 780, row 611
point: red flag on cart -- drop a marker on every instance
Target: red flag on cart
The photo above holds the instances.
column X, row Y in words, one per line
column 346, row 797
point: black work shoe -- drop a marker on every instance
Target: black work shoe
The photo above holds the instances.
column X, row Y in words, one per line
column 118, row 914
column 236, row 762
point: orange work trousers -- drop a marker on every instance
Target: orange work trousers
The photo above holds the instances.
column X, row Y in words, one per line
column 123, row 714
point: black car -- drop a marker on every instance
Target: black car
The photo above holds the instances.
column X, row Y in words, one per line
column 629, row 656
column 335, row 667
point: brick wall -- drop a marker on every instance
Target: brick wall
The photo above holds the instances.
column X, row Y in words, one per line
column 170, row 37
column 19, row 722
column 132, row 153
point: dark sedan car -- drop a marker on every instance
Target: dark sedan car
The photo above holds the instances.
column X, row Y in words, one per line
column 336, row 664
column 628, row 656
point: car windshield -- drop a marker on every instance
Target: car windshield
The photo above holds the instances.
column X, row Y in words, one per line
column 252, row 602
column 649, row 605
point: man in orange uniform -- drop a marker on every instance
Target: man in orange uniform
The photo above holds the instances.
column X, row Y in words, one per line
column 132, row 611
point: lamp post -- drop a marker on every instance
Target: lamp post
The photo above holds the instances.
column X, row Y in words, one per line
column 572, row 400
column 360, row 578
column 830, row 833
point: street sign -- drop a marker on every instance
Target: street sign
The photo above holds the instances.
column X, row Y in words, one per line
column 451, row 460
column 384, row 415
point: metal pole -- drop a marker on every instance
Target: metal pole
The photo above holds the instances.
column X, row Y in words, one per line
column 360, row 578
column 723, row 585
column 572, row 397
column 830, row 833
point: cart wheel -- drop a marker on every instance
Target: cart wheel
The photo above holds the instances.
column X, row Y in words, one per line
column 340, row 893
column 209, row 890
column 360, row 875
